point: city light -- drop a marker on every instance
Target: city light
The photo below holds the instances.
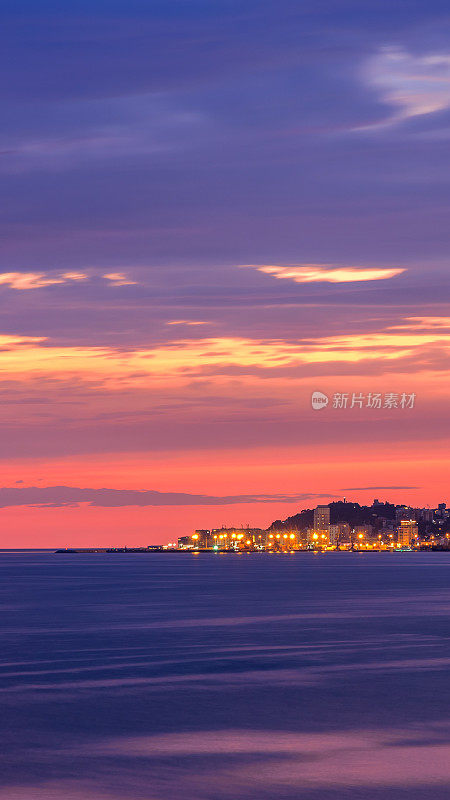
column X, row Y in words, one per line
column 402, row 528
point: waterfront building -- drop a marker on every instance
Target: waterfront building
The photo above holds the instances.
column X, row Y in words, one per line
column 237, row 538
column 200, row 538
column 362, row 533
column 319, row 534
column 340, row 533
column 321, row 518
column 184, row 542
column 407, row 532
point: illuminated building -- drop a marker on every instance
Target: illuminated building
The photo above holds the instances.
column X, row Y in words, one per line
column 407, row 532
column 321, row 518
column 366, row 530
column 237, row 538
column 200, row 538
column 319, row 534
column 362, row 534
column 341, row 533
column 184, row 542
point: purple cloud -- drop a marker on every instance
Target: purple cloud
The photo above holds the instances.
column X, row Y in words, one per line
column 61, row 496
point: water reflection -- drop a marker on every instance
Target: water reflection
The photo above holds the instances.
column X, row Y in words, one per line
column 159, row 678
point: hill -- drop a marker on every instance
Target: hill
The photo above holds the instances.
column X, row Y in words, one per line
column 352, row 513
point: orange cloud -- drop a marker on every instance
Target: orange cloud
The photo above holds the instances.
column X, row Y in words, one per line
column 313, row 273
column 28, row 357
column 187, row 322
column 420, row 323
column 37, row 280
column 119, row 279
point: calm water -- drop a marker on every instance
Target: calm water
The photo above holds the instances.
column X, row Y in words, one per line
column 190, row 677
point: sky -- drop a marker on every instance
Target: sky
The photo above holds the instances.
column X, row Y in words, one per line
column 211, row 210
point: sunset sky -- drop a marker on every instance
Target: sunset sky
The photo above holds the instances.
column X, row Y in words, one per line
column 210, row 210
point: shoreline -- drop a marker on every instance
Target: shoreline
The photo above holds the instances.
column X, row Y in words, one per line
column 140, row 551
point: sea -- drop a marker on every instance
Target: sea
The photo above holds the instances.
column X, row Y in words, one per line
column 180, row 676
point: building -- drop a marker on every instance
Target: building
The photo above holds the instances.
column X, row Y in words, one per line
column 340, row 533
column 237, row 538
column 404, row 513
column 407, row 532
column 321, row 518
column 200, row 538
column 363, row 533
column 319, row 534
column 185, row 542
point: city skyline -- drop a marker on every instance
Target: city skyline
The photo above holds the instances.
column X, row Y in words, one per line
column 342, row 524
column 338, row 525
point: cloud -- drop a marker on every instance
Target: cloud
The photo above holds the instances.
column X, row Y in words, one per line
column 372, row 488
column 119, row 279
column 424, row 323
column 315, row 273
column 187, row 322
column 37, row 280
column 175, row 362
column 60, row 496
column 83, row 132
column 413, row 85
